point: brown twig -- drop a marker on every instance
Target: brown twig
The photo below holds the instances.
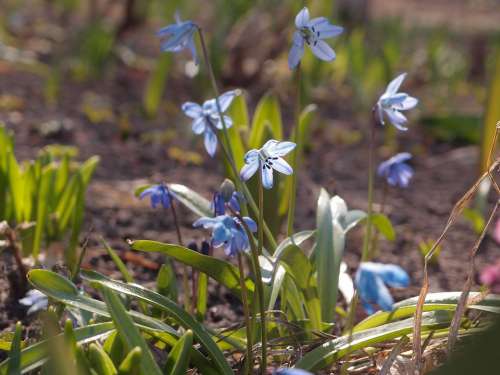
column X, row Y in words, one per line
column 462, row 303
column 10, row 235
column 455, row 212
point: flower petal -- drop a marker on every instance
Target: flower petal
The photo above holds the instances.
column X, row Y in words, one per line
column 249, row 170
column 282, row 166
column 322, row 50
column 252, row 225
column 226, row 99
column 251, row 156
column 302, row 18
column 199, row 125
column 296, row 51
column 346, row 286
column 267, row 177
column 206, row 222
column 324, row 29
column 394, row 85
column 409, row 103
column 210, row 141
column 397, row 119
column 384, row 298
column 227, row 120
column 276, row 148
column 192, row 110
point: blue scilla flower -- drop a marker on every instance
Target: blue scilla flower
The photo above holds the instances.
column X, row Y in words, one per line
column 392, row 102
column 312, row 32
column 179, row 36
column 227, row 231
column 291, row 371
column 267, row 158
column 159, row 194
column 396, row 171
column 206, row 118
column 371, row 279
column 35, row 301
column 219, row 202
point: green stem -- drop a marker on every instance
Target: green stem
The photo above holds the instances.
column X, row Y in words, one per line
column 244, row 295
column 185, row 277
column 373, row 249
column 365, row 255
column 295, row 161
column 261, row 212
column 260, row 291
column 226, row 145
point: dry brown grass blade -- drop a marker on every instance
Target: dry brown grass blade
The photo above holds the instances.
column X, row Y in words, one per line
column 455, row 212
column 392, row 356
column 462, row 303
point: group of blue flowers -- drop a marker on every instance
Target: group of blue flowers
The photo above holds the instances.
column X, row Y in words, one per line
column 229, row 229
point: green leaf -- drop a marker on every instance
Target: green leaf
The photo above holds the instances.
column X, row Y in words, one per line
column 14, row 367
column 169, row 306
column 330, row 242
column 131, row 364
column 475, row 218
column 35, row 355
column 129, row 332
column 166, row 282
column 202, row 300
column 297, row 264
column 100, row 361
column 46, row 185
column 191, row 200
column 296, row 239
column 118, row 262
column 221, row 271
column 178, row 358
column 267, row 114
column 433, row 301
column 335, row 349
column 384, row 226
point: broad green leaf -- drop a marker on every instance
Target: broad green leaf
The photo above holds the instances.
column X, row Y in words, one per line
column 14, row 367
column 433, row 301
column 202, row 300
column 166, row 282
column 35, row 355
column 335, row 349
column 63, row 290
column 118, row 262
column 191, row 200
column 297, row 264
column 129, row 332
column 267, row 114
column 76, row 226
column 178, row 358
column 16, row 186
column 170, row 307
column 384, row 226
column 296, row 239
column 277, row 282
column 132, row 362
column 221, row 271
column 100, row 361
column 330, row 242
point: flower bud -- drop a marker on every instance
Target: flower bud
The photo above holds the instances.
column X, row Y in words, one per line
column 227, row 189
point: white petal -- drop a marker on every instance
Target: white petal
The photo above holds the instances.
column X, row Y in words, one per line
column 302, row 18
column 324, row 29
column 380, row 113
column 251, row 156
column 296, row 51
column 338, row 207
column 322, row 50
column 282, row 166
column 393, row 86
column 346, row 286
column 249, row 170
column 397, row 119
column 226, row 99
column 210, row 142
column 192, row 110
column 227, row 120
column 199, row 125
column 210, row 106
column 267, row 177
column 278, row 148
column 409, row 103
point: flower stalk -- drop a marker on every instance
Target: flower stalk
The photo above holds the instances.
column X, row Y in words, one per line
column 244, row 296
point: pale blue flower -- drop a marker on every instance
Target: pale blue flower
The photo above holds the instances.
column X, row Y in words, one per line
column 370, row 282
column 392, row 102
column 291, row 371
column 228, row 232
column 396, row 171
column 159, row 194
column 35, row 300
column 219, row 203
column 312, row 32
column 206, row 118
column 179, row 36
column 267, row 158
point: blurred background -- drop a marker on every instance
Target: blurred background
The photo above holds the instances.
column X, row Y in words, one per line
column 89, row 74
